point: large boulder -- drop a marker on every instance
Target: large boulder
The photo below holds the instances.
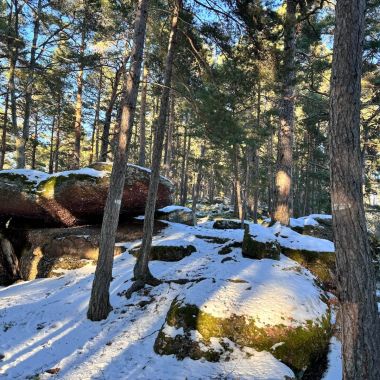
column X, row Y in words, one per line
column 74, row 197
column 294, row 327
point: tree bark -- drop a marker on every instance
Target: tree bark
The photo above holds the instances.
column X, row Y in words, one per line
column 35, row 142
column 108, row 116
column 142, row 136
column 355, row 269
column 169, row 150
column 141, row 270
column 4, row 132
column 285, row 133
column 100, row 306
column 21, row 157
column 58, row 136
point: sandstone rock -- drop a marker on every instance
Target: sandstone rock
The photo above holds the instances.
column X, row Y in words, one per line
column 74, row 197
column 43, row 252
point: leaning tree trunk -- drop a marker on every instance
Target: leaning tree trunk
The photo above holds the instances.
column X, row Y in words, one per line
column 21, row 159
column 141, row 269
column 100, row 306
column 355, row 269
column 285, row 133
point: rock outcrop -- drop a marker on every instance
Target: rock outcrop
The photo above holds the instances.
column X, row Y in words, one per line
column 260, row 243
column 74, row 197
column 176, row 214
column 45, row 252
column 206, row 327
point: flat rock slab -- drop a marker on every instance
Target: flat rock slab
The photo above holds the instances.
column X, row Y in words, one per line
column 74, row 197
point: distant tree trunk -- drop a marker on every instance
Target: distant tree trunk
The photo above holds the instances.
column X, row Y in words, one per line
column 141, row 270
column 237, row 182
column 271, row 177
column 142, row 139
column 169, row 150
column 108, row 116
column 13, row 49
column 35, row 142
column 100, row 306
column 360, row 329
column 285, row 134
column 51, row 155
column 4, row 132
column 21, row 158
column 80, row 82
column 95, row 126
column 197, row 186
column 58, row 136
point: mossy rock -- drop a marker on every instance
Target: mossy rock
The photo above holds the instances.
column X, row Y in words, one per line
column 298, row 347
column 255, row 249
column 321, row 264
column 167, row 253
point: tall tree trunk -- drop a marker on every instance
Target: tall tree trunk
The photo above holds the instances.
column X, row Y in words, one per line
column 100, row 306
column 21, row 158
column 285, row 134
column 95, row 126
column 142, row 137
column 355, row 269
column 80, row 82
column 141, row 269
column 4, row 132
column 13, row 49
column 108, row 116
column 169, row 149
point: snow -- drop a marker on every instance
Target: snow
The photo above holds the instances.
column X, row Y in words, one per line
column 43, row 322
column 261, row 234
column 291, row 239
column 84, row 171
column 31, row 175
column 334, row 370
column 309, row 220
column 173, row 208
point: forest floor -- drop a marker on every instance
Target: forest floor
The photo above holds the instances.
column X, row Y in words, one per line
column 44, row 332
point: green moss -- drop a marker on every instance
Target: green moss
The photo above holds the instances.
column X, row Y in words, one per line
column 49, row 186
column 259, row 250
column 321, row 264
column 301, row 346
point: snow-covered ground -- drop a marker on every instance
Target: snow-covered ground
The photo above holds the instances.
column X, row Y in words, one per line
column 43, row 324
